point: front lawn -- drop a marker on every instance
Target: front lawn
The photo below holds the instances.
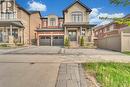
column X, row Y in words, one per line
column 128, row 52
column 110, row 74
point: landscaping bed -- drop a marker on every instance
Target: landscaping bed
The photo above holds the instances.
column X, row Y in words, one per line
column 127, row 52
column 10, row 46
column 109, row 74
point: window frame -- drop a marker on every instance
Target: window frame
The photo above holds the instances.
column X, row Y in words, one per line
column 52, row 21
column 77, row 16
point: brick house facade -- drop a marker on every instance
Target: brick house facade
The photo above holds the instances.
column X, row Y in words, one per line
column 16, row 23
column 73, row 25
column 113, row 36
column 51, row 31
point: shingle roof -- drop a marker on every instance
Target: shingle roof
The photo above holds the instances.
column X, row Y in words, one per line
column 82, row 4
column 28, row 12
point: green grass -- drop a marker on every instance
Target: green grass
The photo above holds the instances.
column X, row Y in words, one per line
column 127, row 52
column 110, row 74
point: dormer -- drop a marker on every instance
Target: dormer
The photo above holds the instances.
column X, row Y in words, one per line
column 52, row 20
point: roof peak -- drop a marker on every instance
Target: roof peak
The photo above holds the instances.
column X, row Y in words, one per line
column 82, row 4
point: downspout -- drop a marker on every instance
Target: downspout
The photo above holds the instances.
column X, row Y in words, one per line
column 29, row 30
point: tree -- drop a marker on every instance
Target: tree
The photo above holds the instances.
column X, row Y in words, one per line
column 82, row 41
column 120, row 2
column 124, row 3
column 125, row 21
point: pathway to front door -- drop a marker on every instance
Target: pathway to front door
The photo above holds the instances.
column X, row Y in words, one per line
column 71, row 75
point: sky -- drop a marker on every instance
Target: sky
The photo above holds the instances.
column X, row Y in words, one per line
column 100, row 8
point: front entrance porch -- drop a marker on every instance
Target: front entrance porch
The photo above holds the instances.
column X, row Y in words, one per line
column 11, row 32
column 74, row 33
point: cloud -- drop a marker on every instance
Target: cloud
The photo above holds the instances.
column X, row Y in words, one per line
column 36, row 6
column 96, row 14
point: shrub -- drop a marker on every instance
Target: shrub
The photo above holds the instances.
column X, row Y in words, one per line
column 82, row 41
column 66, row 42
column 15, row 41
column 3, row 45
column 19, row 44
column 34, row 41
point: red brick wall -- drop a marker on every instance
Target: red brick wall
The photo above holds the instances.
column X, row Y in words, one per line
column 45, row 24
column 118, row 26
column 51, row 33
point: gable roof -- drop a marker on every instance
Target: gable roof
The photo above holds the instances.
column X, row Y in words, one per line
column 20, row 7
column 127, row 16
column 34, row 12
column 28, row 12
column 82, row 4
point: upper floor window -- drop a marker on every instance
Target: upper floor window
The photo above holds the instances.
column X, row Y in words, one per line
column 7, row 6
column 52, row 22
column 77, row 16
column 7, row 10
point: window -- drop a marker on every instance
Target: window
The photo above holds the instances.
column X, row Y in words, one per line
column 7, row 10
column 111, row 27
column 60, row 24
column 77, row 16
column 108, row 29
column 1, row 36
column 52, row 22
column 56, row 37
column 15, row 33
column 83, row 32
column 96, row 33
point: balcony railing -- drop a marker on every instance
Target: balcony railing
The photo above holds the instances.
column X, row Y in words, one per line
column 8, row 15
column 76, row 23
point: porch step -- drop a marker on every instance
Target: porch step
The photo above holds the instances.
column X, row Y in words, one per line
column 74, row 44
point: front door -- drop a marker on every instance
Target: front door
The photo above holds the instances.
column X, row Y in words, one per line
column 72, row 35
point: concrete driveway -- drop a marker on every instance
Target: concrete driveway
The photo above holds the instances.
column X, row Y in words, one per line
column 58, row 50
column 90, row 52
column 37, row 50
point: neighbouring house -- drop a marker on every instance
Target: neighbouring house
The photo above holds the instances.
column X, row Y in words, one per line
column 113, row 36
column 51, row 33
column 17, row 24
column 73, row 25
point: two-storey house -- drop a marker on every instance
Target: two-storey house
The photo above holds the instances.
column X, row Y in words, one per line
column 76, row 23
column 17, row 25
column 73, row 25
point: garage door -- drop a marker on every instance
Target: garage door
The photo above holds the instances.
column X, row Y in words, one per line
column 45, row 41
column 58, row 40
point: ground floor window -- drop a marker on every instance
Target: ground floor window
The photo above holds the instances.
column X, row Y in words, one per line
column 1, row 38
column 15, row 33
column 83, row 32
